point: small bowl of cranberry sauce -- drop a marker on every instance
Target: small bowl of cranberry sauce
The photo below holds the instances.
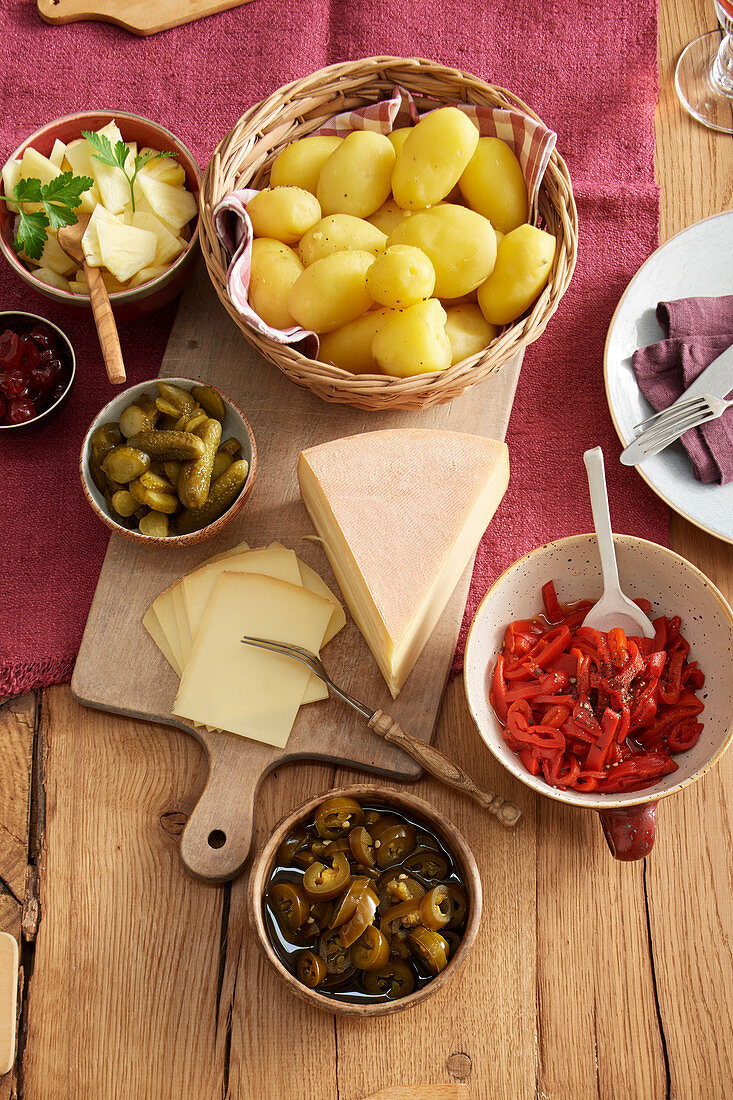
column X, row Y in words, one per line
column 37, row 368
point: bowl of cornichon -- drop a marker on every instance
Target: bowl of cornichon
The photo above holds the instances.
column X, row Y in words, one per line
column 170, row 461
column 365, row 900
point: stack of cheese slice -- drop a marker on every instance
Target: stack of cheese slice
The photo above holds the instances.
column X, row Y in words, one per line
column 400, row 513
column 198, row 624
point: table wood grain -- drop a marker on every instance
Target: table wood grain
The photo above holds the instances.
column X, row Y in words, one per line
column 588, row 978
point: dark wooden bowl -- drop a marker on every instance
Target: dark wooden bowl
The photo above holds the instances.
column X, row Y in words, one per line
column 264, row 861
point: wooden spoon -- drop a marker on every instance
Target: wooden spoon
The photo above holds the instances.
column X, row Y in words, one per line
column 69, row 237
column 614, row 609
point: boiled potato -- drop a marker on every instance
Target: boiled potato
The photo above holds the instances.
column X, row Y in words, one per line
column 332, row 291
column 523, row 264
column 460, row 244
column 493, row 185
column 413, row 341
column 284, row 213
column 463, row 300
column 350, row 347
column 389, row 216
column 300, row 163
column 401, row 277
column 468, row 331
column 356, row 177
column 340, row 233
column 275, row 268
column 399, row 136
column 434, row 155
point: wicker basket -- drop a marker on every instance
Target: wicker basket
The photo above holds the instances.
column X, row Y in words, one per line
column 295, row 111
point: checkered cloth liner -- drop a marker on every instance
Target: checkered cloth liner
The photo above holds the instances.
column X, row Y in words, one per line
column 531, row 141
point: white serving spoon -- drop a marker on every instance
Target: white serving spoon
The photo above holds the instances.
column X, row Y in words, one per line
column 614, row 609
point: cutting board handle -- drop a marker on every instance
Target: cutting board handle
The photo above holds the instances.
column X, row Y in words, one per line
column 217, row 839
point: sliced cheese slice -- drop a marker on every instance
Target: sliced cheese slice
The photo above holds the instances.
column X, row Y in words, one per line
column 236, row 687
column 155, row 630
column 161, row 621
column 8, row 1000
column 196, row 588
column 164, row 611
column 400, row 513
column 311, row 580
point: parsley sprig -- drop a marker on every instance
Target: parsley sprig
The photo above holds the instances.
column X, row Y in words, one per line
column 59, row 199
column 116, row 157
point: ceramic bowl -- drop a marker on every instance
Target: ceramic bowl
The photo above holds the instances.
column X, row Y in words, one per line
column 235, row 424
column 148, row 297
column 49, row 414
column 675, row 587
column 414, row 807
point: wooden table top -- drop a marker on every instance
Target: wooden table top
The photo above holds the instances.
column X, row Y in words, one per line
column 588, row 978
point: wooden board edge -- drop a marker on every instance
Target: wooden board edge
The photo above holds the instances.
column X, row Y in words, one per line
column 143, row 27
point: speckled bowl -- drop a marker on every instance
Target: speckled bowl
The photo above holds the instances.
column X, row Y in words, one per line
column 675, row 587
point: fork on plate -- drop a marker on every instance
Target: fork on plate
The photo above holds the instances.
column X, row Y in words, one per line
column 661, row 429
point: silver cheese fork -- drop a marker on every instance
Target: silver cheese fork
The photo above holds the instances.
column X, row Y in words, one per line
column 432, row 759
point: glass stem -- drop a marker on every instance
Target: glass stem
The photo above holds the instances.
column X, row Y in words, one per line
column 723, row 67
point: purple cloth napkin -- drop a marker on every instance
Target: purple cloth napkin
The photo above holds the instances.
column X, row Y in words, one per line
column 698, row 330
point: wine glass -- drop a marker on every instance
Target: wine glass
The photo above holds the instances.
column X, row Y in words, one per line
column 704, row 74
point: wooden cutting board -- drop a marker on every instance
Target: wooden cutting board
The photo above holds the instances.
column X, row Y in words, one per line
column 139, row 16
column 120, row 669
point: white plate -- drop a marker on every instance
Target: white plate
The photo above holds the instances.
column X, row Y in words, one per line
column 699, row 260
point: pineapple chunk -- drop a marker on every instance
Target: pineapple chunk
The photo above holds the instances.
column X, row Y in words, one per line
column 125, row 249
column 78, row 159
column 56, row 155
column 173, row 205
column 11, row 175
column 78, row 156
column 90, row 240
column 113, row 285
column 165, row 169
column 55, row 259
column 113, row 187
column 78, row 288
column 52, row 278
column 52, row 257
column 36, row 167
column 146, row 274
column 168, row 246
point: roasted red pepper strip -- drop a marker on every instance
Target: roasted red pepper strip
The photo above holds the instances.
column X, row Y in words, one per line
column 553, row 610
column 671, row 693
column 497, row 696
column 531, row 761
column 598, row 753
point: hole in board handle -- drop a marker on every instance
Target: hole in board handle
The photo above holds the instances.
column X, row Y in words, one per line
column 216, row 838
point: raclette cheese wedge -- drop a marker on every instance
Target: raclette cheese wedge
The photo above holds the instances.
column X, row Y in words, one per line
column 400, row 513
column 236, row 687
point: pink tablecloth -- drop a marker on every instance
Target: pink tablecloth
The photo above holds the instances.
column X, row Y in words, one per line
column 589, row 70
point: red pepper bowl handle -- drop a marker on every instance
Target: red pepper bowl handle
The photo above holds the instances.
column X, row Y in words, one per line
column 630, row 830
